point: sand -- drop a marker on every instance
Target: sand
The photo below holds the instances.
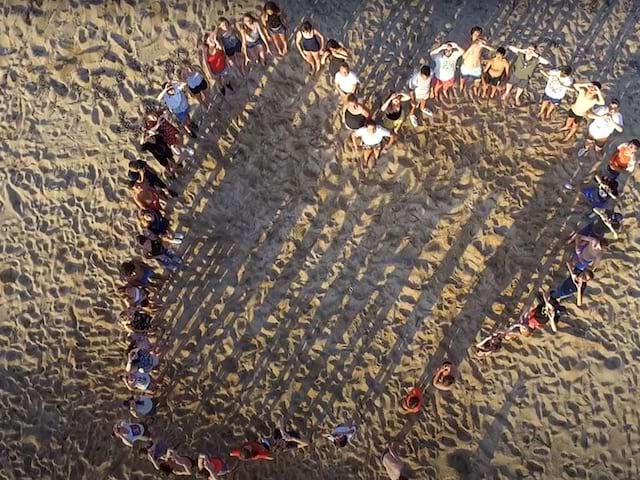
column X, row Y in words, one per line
column 309, row 290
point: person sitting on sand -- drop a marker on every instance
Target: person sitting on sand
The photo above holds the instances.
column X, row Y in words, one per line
column 342, row 435
column 166, row 460
column 495, row 72
column 251, row 451
column 174, row 98
column 138, row 381
column 371, row 140
column 310, row 43
column 196, row 81
column 231, row 40
column 336, row 55
column 346, row 83
column 155, row 225
column 574, row 284
column 445, row 376
column 139, row 405
column 354, row 114
column 623, row 159
column 215, row 62
column 446, row 58
column 283, row 439
column 544, row 310
column 129, row 433
column 153, row 248
column 589, row 96
column 599, row 194
column 273, row 21
column 393, row 111
column 605, row 121
column 142, row 360
column 588, row 251
column 559, row 81
column 213, row 467
column 137, row 273
column 420, row 91
column 490, row 344
column 471, row 67
column 255, row 45
column 522, row 69
column 394, row 465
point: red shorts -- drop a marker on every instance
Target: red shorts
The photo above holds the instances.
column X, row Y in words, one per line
column 446, row 84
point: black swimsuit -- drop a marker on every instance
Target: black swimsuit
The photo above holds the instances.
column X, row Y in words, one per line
column 274, row 23
column 158, row 225
column 395, row 115
column 354, row 120
column 232, row 44
column 310, row 44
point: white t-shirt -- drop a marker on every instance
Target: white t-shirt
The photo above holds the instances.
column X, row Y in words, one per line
column 421, row 86
column 347, row 83
column 557, row 86
column 446, row 66
column 372, row 139
column 604, row 125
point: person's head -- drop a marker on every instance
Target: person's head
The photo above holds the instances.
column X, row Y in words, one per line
column 147, row 215
column 223, row 24
column 248, row 19
column 141, row 239
column 595, row 86
column 244, row 453
column 425, row 71
column 603, row 243
column 500, row 52
column 587, row 275
column 344, row 68
column 352, row 100
column 127, row 403
column 137, row 165
column 396, row 99
column 306, row 27
column 476, row 33
column 530, row 51
column 634, row 145
column 127, row 269
column 134, row 178
column 448, row 49
column 413, row 401
column 565, row 71
column 271, row 8
column 614, row 105
column 170, row 88
column 370, row 124
column 340, row 441
column 448, row 380
column 332, row 44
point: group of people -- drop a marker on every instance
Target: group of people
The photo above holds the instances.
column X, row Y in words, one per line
column 227, row 53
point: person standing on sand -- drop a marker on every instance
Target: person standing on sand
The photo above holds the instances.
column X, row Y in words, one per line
column 623, row 160
column 371, row 140
column 574, row 284
column 310, row 43
column 544, row 310
column 346, row 82
column 231, row 40
column 446, row 57
column 174, row 98
column 471, row 67
column 589, row 96
column 213, row 466
column 354, row 115
column 522, row 70
column 394, row 465
column 273, row 21
column 605, row 121
column 342, row 435
column 420, row 91
column 558, row 82
column 336, row 54
column 195, row 79
column 215, row 61
column 495, row 72
column 255, row 46
column 140, row 171
column 129, row 433
column 588, row 251
column 598, row 195
column 393, row 111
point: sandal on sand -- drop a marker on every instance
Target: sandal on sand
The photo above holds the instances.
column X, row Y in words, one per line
column 414, row 120
column 427, row 112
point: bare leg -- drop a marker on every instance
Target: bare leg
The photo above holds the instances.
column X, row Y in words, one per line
column 518, row 95
column 507, row 91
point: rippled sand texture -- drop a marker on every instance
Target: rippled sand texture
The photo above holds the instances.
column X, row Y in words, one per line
column 308, row 289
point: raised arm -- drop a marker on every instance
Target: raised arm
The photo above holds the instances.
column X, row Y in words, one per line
column 515, row 49
column 436, row 51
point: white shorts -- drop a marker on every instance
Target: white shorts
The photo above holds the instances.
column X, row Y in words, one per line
column 422, row 94
column 471, row 72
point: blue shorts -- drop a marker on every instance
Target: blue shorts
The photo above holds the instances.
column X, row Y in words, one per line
column 555, row 101
column 183, row 115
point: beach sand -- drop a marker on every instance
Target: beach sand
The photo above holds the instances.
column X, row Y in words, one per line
column 307, row 289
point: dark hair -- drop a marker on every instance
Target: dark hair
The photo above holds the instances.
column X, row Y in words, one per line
column 368, row 122
column 341, row 441
column 331, row 43
column 345, row 65
column 126, row 404
column 165, row 85
column 615, row 101
column 476, row 29
column 273, row 7
column 141, row 239
column 250, row 16
column 566, row 70
column 635, row 142
column 501, row 51
column 306, row 26
column 352, row 97
column 134, row 178
column 597, row 84
column 604, row 243
column 425, row 70
column 127, row 268
column 448, row 380
column 413, row 401
column 223, row 20
column 244, row 454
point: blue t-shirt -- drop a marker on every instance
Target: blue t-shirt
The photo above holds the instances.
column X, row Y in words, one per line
column 194, row 79
column 177, row 102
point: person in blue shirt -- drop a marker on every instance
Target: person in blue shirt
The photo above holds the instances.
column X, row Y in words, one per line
column 174, row 97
